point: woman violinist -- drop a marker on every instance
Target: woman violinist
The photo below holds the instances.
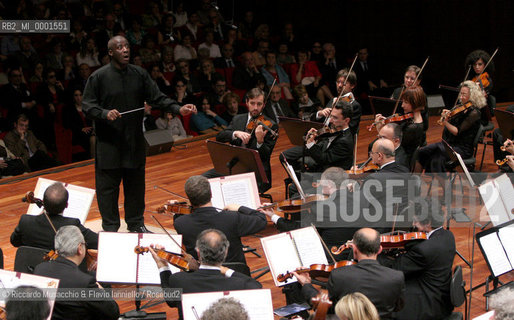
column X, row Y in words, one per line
column 413, row 104
column 460, row 129
column 480, row 73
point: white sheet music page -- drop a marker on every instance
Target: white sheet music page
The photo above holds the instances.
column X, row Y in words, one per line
column 257, row 303
column 237, row 192
column 507, row 193
column 12, row 279
column 506, row 235
column 485, row 316
column 493, row 202
column 148, row 271
column 79, row 200
column 495, row 254
column 238, row 189
column 115, row 253
column 309, row 246
column 281, row 255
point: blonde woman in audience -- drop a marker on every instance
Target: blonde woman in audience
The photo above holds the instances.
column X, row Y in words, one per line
column 356, row 306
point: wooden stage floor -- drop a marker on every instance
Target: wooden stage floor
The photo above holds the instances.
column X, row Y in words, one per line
column 171, row 170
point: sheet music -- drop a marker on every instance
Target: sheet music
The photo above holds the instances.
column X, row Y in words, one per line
column 116, row 252
column 309, row 246
column 293, row 177
column 12, row 279
column 237, row 192
column 257, row 303
column 506, row 235
column 465, row 169
column 238, row 189
column 217, row 195
column 281, row 255
column 485, row 316
column 506, row 191
column 495, row 254
column 493, row 202
column 79, row 200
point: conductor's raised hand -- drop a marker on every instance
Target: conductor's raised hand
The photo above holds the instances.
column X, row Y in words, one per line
column 188, row 109
column 113, row 115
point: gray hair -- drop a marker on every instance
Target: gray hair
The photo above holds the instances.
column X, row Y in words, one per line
column 198, row 190
column 226, row 309
column 212, row 245
column 335, row 175
column 67, row 240
column 501, row 302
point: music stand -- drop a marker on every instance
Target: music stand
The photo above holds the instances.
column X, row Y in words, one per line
column 449, row 94
column 296, row 129
column 229, row 160
column 384, row 106
column 505, row 123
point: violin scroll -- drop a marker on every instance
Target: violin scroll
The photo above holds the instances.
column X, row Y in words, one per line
column 30, row 198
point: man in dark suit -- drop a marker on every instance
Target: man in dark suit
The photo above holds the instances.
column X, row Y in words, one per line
column 247, row 76
column 235, row 222
column 110, row 91
column 329, row 65
column 70, row 245
column 345, row 88
column 227, row 57
column 36, row 231
column 383, row 286
column 386, row 192
column 335, row 150
column 212, row 248
column 260, row 139
column 427, row 266
column 17, row 98
column 392, row 131
column 277, row 106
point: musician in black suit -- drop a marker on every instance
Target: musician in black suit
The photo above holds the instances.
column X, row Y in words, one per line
column 277, row 106
column 333, row 151
column 392, row 131
column 236, row 222
column 36, row 231
column 427, row 266
column 383, row 286
column 212, row 248
column 70, row 245
column 260, row 139
column 385, row 192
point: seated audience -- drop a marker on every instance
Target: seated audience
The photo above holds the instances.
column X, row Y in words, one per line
column 167, row 121
column 206, row 118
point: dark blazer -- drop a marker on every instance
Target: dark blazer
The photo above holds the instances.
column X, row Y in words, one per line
column 233, row 224
column 12, row 99
column 239, row 123
column 285, row 110
column 354, row 121
column 221, row 63
column 205, row 280
column 427, row 267
column 401, row 158
column 35, row 231
column 338, row 154
column 383, row 286
column 244, row 80
column 71, row 277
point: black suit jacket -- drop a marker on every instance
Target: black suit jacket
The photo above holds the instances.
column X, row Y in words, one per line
column 401, row 158
column 383, row 286
column 12, row 99
column 233, row 224
column 354, row 121
column 205, row 280
column 244, row 80
column 338, row 154
column 35, row 231
column 427, row 267
column 71, row 277
column 285, row 110
column 239, row 124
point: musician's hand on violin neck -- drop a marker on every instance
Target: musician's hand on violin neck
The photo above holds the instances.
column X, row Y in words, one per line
column 268, row 210
column 303, row 277
column 244, row 136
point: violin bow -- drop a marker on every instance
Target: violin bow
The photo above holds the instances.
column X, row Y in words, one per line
column 323, row 243
column 355, row 155
column 488, row 62
column 414, row 83
column 325, row 123
column 465, row 77
column 170, row 192
column 169, row 235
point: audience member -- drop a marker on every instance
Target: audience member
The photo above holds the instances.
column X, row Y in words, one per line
column 232, row 107
column 208, row 76
column 283, row 55
column 9, row 164
column 26, row 57
column 185, row 49
column 246, row 76
column 214, row 49
column 184, row 73
column 149, row 52
column 206, row 118
column 259, row 55
column 227, row 58
column 16, row 97
column 136, row 33
column 167, row 121
column 88, row 54
column 273, row 73
column 167, row 64
column 166, row 33
column 54, row 58
column 82, row 133
column 157, row 76
column 277, row 107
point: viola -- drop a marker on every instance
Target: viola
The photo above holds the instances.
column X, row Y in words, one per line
column 454, row 111
column 176, row 208
column 395, row 118
column 294, row 205
column 317, row 270
column 261, row 121
column 91, row 258
column 175, row 259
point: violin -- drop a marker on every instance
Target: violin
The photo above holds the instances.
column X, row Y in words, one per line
column 395, row 118
column 389, row 241
column 483, row 80
column 261, row 121
column 365, row 168
column 454, row 111
column 294, row 205
column 91, row 258
column 175, row 259
column 317, row 270
column 30, row 198
column 176, row 208
column 501, row 162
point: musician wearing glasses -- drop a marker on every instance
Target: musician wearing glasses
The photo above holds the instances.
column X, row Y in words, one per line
column 114, row 98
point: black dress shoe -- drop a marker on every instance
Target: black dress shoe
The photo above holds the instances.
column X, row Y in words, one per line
column 141, row 229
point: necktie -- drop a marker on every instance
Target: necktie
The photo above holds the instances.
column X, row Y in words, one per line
column 230, row 64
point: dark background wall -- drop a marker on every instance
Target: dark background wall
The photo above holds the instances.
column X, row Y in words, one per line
column 402, row 32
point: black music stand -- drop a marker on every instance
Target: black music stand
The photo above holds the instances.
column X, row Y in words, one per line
column 381, row 105
column 297, row 128
column 449, row 94
column 229, row 160
column 505, row 123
